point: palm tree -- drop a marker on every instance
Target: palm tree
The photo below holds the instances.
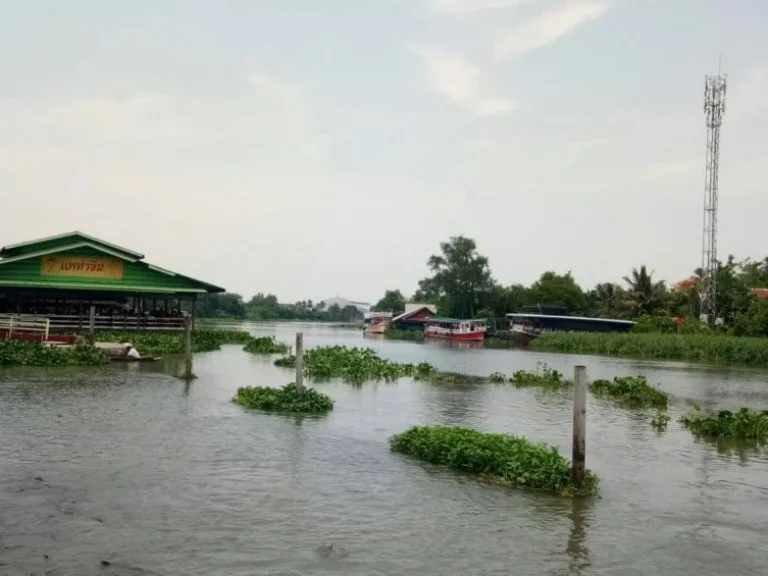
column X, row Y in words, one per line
column 607, row 296
column 644, row 296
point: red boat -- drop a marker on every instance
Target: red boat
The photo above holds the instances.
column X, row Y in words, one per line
column 454, row 329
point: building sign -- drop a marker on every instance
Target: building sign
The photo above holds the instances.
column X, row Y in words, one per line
column 82, row 267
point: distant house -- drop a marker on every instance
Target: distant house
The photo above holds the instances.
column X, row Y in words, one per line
column 413, row 318
column 760, row 293
column 342, row 303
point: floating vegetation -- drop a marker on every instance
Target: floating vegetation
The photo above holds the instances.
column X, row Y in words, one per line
column 660, row 420
column 286, row 362
column 450, row 379
column 395, row 334
column 706, row 347
column 503, row 459
column 497, row 378
column 744, row 424
column 284, row 400
column 424, row 371
column 21, row 353
column 265, row 345
column 631, row 391
column 543, row 377
column 153, row 344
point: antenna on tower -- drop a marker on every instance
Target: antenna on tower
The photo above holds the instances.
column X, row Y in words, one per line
column 714, row 109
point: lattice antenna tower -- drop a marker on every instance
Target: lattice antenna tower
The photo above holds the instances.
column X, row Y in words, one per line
column 714, row 109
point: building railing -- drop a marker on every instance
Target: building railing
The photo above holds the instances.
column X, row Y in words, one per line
column 63, row 322
column 23, row 324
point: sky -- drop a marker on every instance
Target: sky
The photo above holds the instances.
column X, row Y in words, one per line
column 312, row 149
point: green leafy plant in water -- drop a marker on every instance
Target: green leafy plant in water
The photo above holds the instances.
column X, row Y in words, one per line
column 543, row 377
column 503, row 459
column 154, row 344
column 632, row 391
column 497, row 378
column 265, row 345
column 744, row 424
column 284, row 400
column 21, row 353
column 660, row 420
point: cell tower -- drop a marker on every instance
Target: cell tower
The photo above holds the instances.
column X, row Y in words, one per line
column 714, row 108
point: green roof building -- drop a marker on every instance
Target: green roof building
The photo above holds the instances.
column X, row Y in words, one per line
column 76, row 269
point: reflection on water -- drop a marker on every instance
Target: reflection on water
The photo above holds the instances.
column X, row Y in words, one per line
column 157, row 476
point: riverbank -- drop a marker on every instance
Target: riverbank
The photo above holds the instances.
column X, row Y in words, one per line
column 709, row 348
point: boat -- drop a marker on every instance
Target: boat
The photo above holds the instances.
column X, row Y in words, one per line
column 527, row 327
column 377, row 322
column 454, row 329
column 132, row 359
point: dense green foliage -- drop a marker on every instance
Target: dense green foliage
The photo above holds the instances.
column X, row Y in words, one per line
column 413, row 335
column 285, row 399
column 660, row 420
column 744, row 424
column 265, row 345
column 543, row 377
column 393, row 301
column 497, row 378
column 266, row 307
column 710, row 347
column 631, row 391
column 225, row 305
column 152, row 343
column 20, row 353
column 509, row 460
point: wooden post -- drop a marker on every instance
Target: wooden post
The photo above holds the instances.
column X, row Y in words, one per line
column 92, row 321
column 188, row 348
column 299, row 362
column 579, row 455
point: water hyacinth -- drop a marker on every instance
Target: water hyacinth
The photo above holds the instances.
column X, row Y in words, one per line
column 497, row 378
column 660, row 420
column 543, row 377
column 708, row 347
column 631, row 391
column 744, row 424
column 503, row 459
column 21, row 353
column 265, row 345
column 155, row 344
column 284, row 400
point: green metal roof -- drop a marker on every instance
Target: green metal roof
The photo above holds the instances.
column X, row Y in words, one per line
column 26, row 265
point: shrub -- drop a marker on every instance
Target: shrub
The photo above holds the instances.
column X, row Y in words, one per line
column 265, row 345
column 632, row 391
column 544, row 377
column 21, row 353
column 508, row 460
column 284, row 399
column 497, row 378
column 744, row 424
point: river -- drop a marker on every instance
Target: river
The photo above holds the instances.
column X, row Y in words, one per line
column 129, row 466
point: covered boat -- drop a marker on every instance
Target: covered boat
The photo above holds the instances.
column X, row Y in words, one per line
column 454, row 329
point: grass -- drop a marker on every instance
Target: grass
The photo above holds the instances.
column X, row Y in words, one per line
column 395, row 334
column 265, row 345
column 745, row 424
column 631, row 391
column 660, row 420
column 20, row 353
column 543, row 377
column 284, row 400
column 708, row 347
column 503, row 459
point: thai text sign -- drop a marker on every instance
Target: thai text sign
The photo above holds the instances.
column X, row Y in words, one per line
column 82, row 267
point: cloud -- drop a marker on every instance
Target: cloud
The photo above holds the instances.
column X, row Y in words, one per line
column 461, row 82
column 457, row 6
column 671, row 169
column 549, row 26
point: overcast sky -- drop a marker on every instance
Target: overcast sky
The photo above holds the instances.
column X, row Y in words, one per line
column 311, row 148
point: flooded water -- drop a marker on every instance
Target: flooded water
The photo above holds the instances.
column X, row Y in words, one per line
column 128, row 466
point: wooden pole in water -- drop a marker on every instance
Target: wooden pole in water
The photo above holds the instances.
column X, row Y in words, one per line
column 579, row 455
column 188, row 348
column 299, row 362
column 92, row 321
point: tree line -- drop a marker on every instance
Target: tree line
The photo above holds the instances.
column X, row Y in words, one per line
column 266, row 307
column 462, row 286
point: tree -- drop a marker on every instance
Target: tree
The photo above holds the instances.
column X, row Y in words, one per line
column 393, row 301
column 460, row 275
column 427, row 293
column 226, row 305
column 557, row 290
column 605, row 300
column 644, row 296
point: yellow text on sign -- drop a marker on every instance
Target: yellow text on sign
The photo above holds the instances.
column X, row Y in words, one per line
column 82, row 267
